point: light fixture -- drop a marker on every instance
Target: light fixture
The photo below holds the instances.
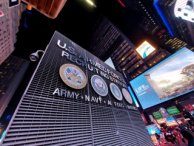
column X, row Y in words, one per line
column 34, row 56
column 90, row 2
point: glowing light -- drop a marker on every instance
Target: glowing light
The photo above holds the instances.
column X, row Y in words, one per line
column 145, row 49
column 121, row 3
column 90, row 2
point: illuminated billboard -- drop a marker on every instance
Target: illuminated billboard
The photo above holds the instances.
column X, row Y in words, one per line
column 184, row 9
column 169, row 79
column 152, row 129
column 157, row 115
column 173, row 110
column 145, row 49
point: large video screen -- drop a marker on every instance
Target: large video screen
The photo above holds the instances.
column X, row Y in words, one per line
column 169, row 79
column 152, row 129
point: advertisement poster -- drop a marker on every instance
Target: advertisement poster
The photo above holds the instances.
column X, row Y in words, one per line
column 169, row 79
column 152, row 129
column 173, row 110
column 145, row 49
column 157, row 115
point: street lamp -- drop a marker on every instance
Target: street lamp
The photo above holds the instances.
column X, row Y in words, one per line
column 91, row 3
column 34, row 56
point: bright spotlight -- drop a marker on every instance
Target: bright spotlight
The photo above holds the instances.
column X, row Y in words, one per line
column 91, row 3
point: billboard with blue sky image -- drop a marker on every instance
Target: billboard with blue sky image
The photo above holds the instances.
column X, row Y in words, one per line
column 169, row 79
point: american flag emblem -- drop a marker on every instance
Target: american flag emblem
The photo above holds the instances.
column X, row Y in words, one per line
column 68, row 71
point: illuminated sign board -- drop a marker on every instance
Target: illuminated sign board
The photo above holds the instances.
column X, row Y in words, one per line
column 188, row 104
column 145, row 49
column 163, row 112
column 13, row 3
column 1, row 14
column 157, row 115
column 173, row 110
column 103, row 79
column 184, row 9
column 152, row 129
column 167, row 80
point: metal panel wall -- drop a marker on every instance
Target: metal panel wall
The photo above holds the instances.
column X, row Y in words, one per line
column 42, row 118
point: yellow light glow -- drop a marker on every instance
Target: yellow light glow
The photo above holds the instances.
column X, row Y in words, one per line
column 90, row 2
column 145, row 49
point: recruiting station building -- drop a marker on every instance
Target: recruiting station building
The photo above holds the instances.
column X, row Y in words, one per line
column 63, row 105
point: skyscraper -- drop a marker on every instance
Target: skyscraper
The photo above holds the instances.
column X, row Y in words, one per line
column 151, row 23
column 161, row 35
column 178, row 27
column 9, row 24
column 11, row 73
column 123, row 53
column 105, row 38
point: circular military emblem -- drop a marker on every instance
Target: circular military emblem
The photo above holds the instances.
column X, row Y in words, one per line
column 116, row 91
column 99, row 85
column 73, row 76
column 127, row 96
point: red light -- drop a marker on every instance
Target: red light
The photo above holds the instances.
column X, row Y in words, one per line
column 121, row 3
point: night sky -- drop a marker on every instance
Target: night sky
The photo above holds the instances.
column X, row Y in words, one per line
column 75, row 21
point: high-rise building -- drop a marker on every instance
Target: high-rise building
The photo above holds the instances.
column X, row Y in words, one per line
column 161, row 35
column 151, row 23
column 178, row 27
column 9, row 24
column 63, row 103
column 107, row 40
column 11, row 73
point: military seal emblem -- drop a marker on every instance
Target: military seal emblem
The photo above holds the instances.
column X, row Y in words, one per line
column 116, row 91
column 99, row 85
column 73, row 76
column 127, row 96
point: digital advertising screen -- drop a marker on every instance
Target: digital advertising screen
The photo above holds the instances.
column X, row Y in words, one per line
column 173, row 110
column 157, row 115
column 145, row 49
column 184, row 9
column 170, row 121
column 162, row 120
column 152, row 129
column 169, row 79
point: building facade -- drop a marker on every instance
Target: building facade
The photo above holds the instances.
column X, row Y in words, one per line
column 178, row 27
column 105, row 38
column 161, row 35
column 11, row 73
column 53, row 111
column 9, row 24
column 105, row 42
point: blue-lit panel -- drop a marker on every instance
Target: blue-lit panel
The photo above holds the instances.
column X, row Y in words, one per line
column 163, row 17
